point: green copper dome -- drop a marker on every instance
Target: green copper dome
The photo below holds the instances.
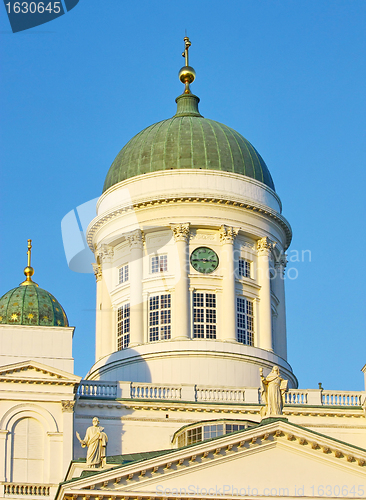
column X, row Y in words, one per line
column 31, row 305
column 188, row 141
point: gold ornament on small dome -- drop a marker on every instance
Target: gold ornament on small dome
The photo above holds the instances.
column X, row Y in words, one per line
column 187, row 74
column 29, row 271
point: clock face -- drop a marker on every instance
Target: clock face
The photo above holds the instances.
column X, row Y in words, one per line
column 204, row 260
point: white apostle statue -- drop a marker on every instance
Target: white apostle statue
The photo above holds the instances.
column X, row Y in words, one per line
column 96, row 440
column 273, row 388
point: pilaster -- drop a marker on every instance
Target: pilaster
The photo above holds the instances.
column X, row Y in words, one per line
column 3, row 437
column 68, row 433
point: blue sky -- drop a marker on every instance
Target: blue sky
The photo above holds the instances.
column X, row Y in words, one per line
column 288, row 75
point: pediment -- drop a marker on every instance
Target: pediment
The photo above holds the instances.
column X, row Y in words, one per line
column 33, row 371
column 279, row 457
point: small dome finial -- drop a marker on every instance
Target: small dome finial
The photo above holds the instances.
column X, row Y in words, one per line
column 29, row 271
column 187, row 74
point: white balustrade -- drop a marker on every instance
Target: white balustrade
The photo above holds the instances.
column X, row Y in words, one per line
column 227, row 394
column 342, row 398
column 155, row 391
column 26, row 489
column 202, row 393
column 97, row 389
column 296, row 397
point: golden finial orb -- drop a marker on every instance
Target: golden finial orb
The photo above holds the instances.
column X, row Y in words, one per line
column 187, row 74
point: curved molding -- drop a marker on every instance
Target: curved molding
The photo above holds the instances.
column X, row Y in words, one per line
column 29, row 410
column 168, row 351
column 143, row 203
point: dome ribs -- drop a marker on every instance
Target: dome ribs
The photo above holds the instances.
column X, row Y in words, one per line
column 188, row 142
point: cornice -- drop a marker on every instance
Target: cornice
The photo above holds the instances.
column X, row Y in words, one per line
column 157, row 200
column 22, row 373
column 122, row 479
column 218, row 408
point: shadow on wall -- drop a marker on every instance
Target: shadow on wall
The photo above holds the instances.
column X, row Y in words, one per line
column 103, row 399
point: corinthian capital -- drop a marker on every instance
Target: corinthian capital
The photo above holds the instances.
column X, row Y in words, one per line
column 135, row 239
column 180, row 231
column 228, row 234
column 264, row 245
column 97, row 268
column 68, row 406
column 105, row 253
column 281, row 262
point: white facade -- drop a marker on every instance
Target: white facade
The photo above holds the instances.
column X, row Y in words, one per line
column 37, row 391
column 165, row 216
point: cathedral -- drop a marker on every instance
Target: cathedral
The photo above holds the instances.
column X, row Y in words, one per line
column 191, row 394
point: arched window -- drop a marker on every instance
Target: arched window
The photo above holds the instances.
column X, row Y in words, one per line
column 27, row 454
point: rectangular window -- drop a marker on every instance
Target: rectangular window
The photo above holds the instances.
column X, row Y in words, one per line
column 234, row 428
column 244, row 321
column 244, row 268
column 123, row 327
column 194, row 435
column 123, row 274
column 212, row 431
column 159, row 317
column 204, row 315
column 159, row 263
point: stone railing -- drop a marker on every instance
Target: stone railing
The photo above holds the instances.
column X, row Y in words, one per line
column 97, row 389
column 232, row 395
column 204, row 393
column 26, row 489
column 323, row 397
column 342, row 398
column 155, row 391
column 296, row 397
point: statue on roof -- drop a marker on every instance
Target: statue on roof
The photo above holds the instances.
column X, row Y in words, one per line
column 96, row 440
column 273, row 388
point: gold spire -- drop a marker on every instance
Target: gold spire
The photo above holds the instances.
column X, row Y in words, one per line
column 187, row 74
column 29, row 271
column 187, row 44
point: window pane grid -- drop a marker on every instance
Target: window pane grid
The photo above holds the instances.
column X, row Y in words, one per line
column 203, row 432
column 204, row 315
column 194, row 435
column 123, row 327
column 160, row 317
column 123, row 274
column 244, row 268
column 244, row 321
column 211, row 431
column 159, row 263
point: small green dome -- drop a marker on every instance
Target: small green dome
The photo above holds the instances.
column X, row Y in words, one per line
column 188, row 141
column 31, row 305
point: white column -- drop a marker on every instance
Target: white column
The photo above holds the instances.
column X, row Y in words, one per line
column 68, row 433
column 279, row 290
column 181, row 299
column 264, row 247
column 98, row 320
column 104, row 331
column 136, row 241
column 228, row 308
